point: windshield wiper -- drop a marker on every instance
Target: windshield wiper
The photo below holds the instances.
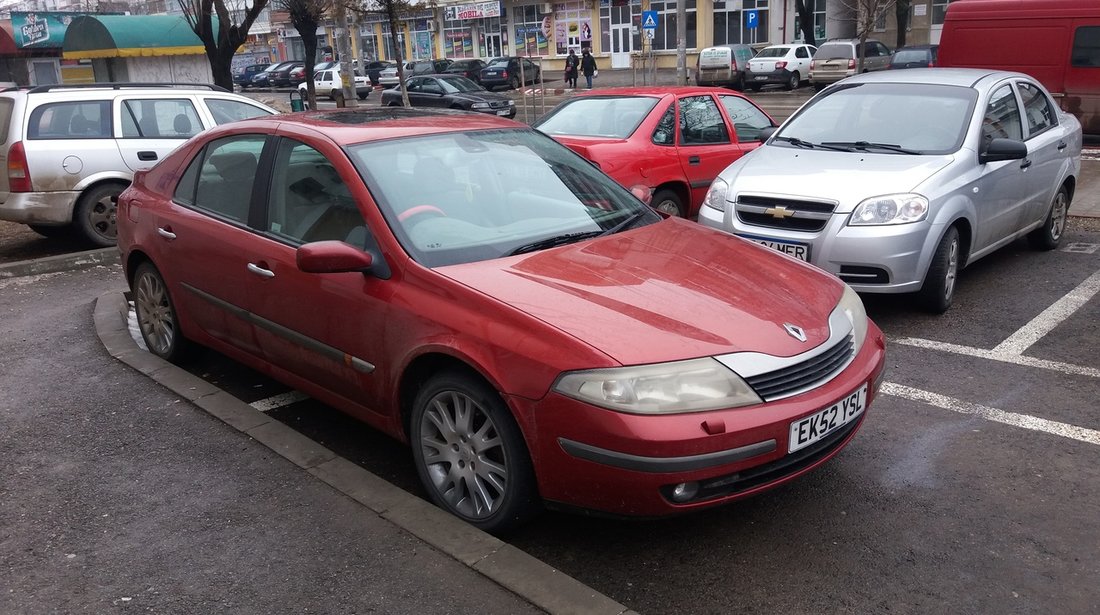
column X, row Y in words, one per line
column 809, row 145
column 556, row 240
column 634, row 217
column 867, row 145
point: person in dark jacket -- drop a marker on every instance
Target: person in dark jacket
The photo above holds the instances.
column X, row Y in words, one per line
column 571, row 65
column 588, row 66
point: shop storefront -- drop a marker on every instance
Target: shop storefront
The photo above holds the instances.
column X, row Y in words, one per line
column 473, row 31
column 416, row 38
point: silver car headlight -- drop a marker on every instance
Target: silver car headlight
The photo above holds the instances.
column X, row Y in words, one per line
column 716, row 195
column 696, row 385
column 479, row 106
column 890, row 209
column 852, row 307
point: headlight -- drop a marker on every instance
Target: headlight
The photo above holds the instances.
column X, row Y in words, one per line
column 696, row 385
column 716, row 195
column 511, row 103
column 890, row 209
column 479, row 106
column 852, row 307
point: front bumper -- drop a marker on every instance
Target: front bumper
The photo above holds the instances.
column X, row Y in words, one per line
column 45, row 208
column 871, row 259
column 624, row 464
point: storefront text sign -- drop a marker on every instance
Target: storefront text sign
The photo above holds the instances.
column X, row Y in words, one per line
column 477, row 10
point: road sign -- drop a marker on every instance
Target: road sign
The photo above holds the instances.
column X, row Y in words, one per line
column 752, row 20
column 649, row 20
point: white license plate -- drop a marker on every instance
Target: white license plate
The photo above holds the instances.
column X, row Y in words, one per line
column 504, row 112
column 801, row 251
column 818, row 425
column 761, row 77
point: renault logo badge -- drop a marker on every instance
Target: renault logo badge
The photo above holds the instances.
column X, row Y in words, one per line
column 795, row 331
column 779, row 212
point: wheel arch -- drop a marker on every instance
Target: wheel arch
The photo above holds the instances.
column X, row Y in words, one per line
column 133, row 260
column 423, row 367
column 111, row 177
column 681, row 189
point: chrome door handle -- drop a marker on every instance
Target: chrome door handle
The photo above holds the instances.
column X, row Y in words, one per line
column 260, row 271
column 167, row 234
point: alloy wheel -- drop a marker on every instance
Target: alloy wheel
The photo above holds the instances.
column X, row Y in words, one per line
column 1058, row 215
column 952, row 270
column 464, row 454
column 154, row 313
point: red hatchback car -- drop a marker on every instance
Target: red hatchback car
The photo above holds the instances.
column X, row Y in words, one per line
column 466, row 284
column 675, row 140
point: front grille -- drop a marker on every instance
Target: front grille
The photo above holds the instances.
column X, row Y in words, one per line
column 498, row 104
column 855, row 274
column 804, row 375
column 739, row 482
column 782, row 213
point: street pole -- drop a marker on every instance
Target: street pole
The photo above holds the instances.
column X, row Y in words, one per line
column 681, row 42
column 347, row 74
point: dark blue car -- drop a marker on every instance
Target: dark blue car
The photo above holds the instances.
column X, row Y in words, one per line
column 243, row 75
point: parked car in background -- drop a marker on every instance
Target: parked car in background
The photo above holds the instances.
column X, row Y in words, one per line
column 328, row 83
column 898, row 181
column 470, row 69
column 527, row 325
column 262, row 79
column 280, row 77
column 837, row 59
column 915, row 56
column 451, row 92
column 723, row 65
column 672, row 140
column 786, row 65
column 243, row 75
column 71, row 150
column 1055, row 41
column 389, row 78
column 510, row 73
column 373, row 69
column 298, row 75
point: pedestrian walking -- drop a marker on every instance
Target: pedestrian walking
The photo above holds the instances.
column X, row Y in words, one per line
column 588, row 66
column 571, row 64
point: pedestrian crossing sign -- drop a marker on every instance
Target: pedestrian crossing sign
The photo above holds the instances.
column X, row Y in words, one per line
column 649, row 20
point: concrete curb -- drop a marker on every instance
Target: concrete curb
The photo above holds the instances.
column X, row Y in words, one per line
column 61, row 262
column 529, row 578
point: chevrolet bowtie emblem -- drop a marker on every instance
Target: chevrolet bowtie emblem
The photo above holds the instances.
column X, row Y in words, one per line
column 779, row 212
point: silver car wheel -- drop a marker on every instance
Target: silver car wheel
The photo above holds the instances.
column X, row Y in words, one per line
column 463, row 454
column 154, row 313
column 668, row 207
column 102, row 218
column 952, row 270
column 1058, row 212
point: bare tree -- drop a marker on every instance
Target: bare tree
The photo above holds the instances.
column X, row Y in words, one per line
column 305, row 16
column 868, row 13
column 805, row 11
column 394, row 11
column 222, row 41
column 901, row 12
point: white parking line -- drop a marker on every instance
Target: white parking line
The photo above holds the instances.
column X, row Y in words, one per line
column 1026, row 421
column 1012, row 349
column 278, row 401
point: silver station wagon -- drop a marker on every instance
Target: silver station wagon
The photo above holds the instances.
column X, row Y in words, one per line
column 894, row 181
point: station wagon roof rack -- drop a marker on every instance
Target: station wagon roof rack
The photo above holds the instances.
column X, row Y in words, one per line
column 120, row 86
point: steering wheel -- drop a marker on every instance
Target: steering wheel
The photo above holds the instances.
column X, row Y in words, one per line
column 417, row 210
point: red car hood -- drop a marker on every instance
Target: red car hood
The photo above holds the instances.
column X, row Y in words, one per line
column 668, row 291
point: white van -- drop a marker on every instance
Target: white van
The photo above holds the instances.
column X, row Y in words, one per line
column 723, row 65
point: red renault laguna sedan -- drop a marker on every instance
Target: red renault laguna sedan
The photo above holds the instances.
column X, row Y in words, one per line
column 533, row 330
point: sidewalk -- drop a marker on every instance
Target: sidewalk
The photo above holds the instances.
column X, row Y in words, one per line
column 1086, row 199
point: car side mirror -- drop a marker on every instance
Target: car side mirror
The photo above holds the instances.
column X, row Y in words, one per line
column 332, row 257
column 1002, row 149
column 766, row 133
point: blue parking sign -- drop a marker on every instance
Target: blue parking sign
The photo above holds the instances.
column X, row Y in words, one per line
column 752, row 20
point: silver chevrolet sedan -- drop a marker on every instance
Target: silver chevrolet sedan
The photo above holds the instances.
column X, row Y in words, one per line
column 894, row 181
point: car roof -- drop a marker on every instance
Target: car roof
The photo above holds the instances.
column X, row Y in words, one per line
column 363, row 125
column 965, row 77
column 654, row 90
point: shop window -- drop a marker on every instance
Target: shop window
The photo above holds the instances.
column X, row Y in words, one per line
column 665, row 37
column 531, row 29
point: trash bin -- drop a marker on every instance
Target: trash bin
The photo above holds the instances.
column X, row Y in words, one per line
column 299, row 103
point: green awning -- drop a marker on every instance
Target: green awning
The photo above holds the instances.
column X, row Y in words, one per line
column 127, row 36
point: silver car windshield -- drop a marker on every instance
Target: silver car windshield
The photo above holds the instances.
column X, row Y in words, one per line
column 900, row 118
column 616, row 117
column 471, row 196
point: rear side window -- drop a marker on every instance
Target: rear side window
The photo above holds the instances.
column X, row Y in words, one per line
column 160, row 118
column 1086, row 47
column 227, row 174
column 6, row 105
column 1037, row 109
column 665, row 133
column 225, row 111
column 71, row 120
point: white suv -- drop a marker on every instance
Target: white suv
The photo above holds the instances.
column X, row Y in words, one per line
column 70, row 150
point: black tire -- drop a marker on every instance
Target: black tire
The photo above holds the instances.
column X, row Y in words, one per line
column 394, row 104
column 669, row 202
column 819, row 86
column 449, row 460
column 739, row 85
column 755, row 87
column 514, row 83
column 94, row 217
column 794, row 81
column 362, row 96
column 156, row 316
column 51, row 231
column 1047, row 236
column 938, row 290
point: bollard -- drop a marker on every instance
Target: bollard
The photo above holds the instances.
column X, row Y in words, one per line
column 297, row 104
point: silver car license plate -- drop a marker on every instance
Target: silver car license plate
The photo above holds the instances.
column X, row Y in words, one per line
column 795, row 249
